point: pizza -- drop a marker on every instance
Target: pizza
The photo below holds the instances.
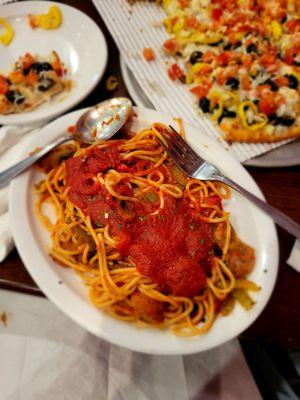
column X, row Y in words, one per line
column 32, row 81
column 241, row 60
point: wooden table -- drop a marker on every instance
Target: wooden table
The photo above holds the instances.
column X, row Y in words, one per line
column 280, row 322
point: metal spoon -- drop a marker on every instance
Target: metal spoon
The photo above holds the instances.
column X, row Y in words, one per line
column 97, row 124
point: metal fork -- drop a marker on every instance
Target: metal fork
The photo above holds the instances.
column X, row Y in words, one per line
column 195, row 167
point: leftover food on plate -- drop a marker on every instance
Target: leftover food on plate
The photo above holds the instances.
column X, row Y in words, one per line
column 51, row 20
column 32, row 81
column 7, row 36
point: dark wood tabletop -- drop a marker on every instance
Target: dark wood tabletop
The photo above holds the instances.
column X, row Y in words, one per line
column 280, row 322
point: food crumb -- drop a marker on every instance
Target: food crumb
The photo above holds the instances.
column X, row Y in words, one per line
column 112, row 83
column 3, row 318
column 148, row 54
column 34, row 151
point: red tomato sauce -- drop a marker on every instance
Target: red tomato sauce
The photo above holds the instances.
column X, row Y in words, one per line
column 173, row 247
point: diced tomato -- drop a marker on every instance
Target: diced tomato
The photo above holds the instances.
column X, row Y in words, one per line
column 170, row 45
column 148, row 54
column 291, row 53
column 224, row 58
column 245, row 82
column 269, row 61
column 220, row 78
column 175, row 72
column 275, row 9
column 32, row 77
column 16, row 77
column 208, row 56
column 267, row 104
column 27, row 60
column 4, row 86
column 57, row 66
column 32, row 21
column 183, row 3
column 191, row 22
column 263, row 88
column 202, row 89
column 293, row 25
column 247, row 60
column 72, row 129
column 281, row 81
column 216, row 13
column 206, row 69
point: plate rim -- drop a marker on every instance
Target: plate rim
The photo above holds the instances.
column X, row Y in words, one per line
column 5, row 119
column 26, row 254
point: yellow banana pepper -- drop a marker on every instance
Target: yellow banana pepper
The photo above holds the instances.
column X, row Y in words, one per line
column 243, row 117
column 7, row 36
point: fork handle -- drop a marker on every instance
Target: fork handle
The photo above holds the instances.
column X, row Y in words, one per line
column 281, row 219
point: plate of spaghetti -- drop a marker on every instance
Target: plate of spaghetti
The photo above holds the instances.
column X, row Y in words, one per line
column 135, row 251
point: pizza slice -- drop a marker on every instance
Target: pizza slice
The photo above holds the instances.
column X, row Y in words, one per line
column 33, row 81
column 241, row 60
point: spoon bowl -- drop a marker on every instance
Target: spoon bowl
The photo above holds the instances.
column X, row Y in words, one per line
column 103, row 121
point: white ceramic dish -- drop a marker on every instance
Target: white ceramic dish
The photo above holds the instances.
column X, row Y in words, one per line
column 68, row 293
column 284, row 156
column 79, row 43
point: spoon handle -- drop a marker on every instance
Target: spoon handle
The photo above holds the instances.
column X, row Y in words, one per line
column 8, row 174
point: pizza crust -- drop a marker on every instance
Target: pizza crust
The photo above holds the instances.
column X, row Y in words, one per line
column 247, row 136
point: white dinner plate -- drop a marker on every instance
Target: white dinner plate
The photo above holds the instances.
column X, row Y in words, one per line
column 79, row 43
column 65, row 289
column 283, row 156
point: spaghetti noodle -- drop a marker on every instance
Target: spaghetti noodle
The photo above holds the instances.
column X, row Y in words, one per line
column 153, row 246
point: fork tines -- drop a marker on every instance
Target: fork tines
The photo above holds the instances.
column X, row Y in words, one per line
column 178, row 149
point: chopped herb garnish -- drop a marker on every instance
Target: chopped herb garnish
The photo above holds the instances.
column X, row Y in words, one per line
column 120, row 226
column 202, row 241
column 143, row 218
column 98, row 224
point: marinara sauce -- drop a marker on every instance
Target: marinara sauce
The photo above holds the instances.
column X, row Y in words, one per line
column 171, row 244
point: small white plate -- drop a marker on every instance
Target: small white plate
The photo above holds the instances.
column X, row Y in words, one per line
column 283, row 156
column 65, row 289
column 79, row 43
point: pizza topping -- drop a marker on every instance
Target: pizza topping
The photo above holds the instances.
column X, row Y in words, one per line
column 292, row 81
column 51, row 20
column 273, row 86
column 38, row 67
column 7, row 36
column 204, row 104
column 15, row 96
column 242, row 58
column 233, row 83
column 251, row 48
column 250, row 117
column 195, row 57
column 285, row 121
column 45, row 84
column 4, row 85
column 22, row 89
column 148, row 54
column 175, row 72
